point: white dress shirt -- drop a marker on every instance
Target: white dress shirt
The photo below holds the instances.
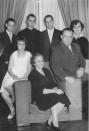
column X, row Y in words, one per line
column 70, row 48
column 50, row 33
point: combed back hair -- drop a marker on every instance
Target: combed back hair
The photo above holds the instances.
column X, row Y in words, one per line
column 10, row 19
column 47, row 17
column 66, row 29
column 33, row 58
column 31, row 15
column 75, row 22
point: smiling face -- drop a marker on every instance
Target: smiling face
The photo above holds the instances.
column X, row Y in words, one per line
column 21, row 45
column 10, row 26
column 77, row 28
column 39, row 62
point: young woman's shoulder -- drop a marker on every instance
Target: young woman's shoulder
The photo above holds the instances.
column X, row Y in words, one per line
column 28, row 53
column 14, row 53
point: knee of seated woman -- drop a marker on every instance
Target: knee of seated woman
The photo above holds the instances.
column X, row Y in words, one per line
column 5, row 93
column 61, row 105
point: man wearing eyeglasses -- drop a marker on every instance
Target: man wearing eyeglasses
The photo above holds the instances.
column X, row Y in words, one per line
column 31, row 34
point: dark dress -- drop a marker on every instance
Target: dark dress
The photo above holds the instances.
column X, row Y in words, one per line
column 84, row 45
column 39, row 82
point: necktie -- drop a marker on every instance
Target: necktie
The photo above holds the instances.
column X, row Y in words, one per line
column 70, row 48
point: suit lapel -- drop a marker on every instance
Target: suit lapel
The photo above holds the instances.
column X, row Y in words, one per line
column 47, row 36
column 7, row 37
column 13, row 37
column 53, row 37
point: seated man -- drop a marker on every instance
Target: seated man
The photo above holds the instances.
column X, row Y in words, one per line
column 67, row 61
column 68, row 66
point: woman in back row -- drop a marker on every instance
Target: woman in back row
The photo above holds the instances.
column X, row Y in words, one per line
column 77, row 26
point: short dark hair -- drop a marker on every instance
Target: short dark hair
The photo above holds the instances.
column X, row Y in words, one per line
column 33, row 58
column 75, row 22
column 47, row 17
column 31, row 15
column 66, row 29
column 7, row 21
column 10, row 19
column 23, row 39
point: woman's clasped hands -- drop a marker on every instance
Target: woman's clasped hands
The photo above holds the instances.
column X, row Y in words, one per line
column 58, row 91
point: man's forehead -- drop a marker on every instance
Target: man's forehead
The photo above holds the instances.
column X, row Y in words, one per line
column 48, row 19
column 67, row 32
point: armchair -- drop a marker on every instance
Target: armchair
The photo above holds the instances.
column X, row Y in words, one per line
column 27, row 113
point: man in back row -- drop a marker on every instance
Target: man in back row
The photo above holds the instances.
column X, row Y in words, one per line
column 7, row 45
column 31, row 34
column 49, row 38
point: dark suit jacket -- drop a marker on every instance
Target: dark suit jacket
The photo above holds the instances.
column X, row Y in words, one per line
column 66, row 63
column 45, row 46
column 32, row 37
column 8, row 47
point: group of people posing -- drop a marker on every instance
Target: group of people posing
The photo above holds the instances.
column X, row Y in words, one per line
column 44, row 58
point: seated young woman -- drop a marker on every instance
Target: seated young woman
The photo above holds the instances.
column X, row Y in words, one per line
column 18, row 69
column 45, row 91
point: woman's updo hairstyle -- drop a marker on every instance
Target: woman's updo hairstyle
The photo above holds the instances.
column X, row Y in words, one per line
column 75, row 22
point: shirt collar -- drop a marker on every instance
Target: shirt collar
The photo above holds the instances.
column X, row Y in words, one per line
column 50, row 30
column 9, row 33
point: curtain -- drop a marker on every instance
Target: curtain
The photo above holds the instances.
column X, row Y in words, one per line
column 18, row 12
column 75, row 9
column 51, row 7
column 5, row 7
column 41, row 8
column 14, row 9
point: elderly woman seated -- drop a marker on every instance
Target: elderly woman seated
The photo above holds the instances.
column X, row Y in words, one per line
column 45, row 91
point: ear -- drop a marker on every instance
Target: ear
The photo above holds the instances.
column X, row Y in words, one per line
column 6, row 25
column 61, row 36
column 26, row 22
column 34, row 64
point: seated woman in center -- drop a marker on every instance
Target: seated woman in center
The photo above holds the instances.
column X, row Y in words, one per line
column 45, row 91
